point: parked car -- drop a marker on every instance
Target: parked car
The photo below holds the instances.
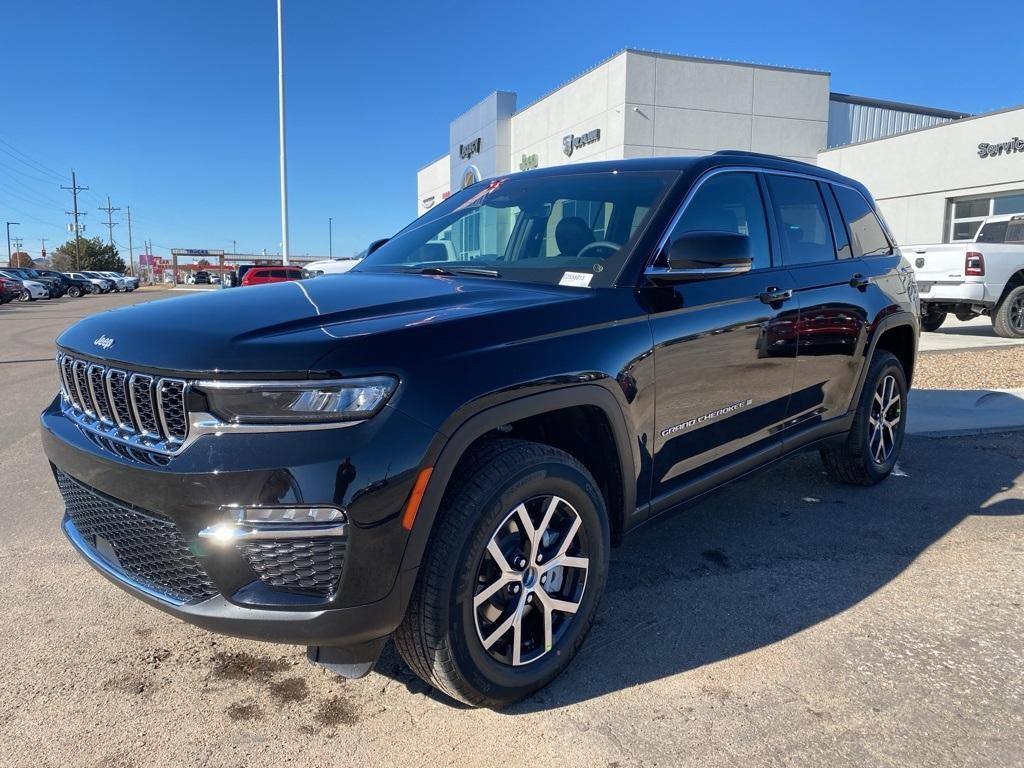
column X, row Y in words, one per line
column 106, row 285
column 54, row 288
column 10, row 289
column 443, row 452
column 96, row 284
column 78, row 286
column 62, row 280
column 982, row 277
column 261, row 275
column 328, row 267
column 30, row 289
column 123, row 284
column 201, row 278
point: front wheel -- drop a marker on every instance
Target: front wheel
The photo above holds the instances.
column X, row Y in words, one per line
column 512, row 576
column 873, row 445
column 74, row 291
column 1008, row 318
column 25, row 296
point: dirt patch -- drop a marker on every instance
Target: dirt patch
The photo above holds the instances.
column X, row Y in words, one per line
column 336, row 711
column 246, row 666
column 240, row 712
column 291, row 689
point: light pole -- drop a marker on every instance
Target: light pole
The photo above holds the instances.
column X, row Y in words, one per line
column 10, row 256
column 280, row 110
column 330, row 237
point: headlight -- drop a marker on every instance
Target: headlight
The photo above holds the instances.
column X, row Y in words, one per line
column 298, row 402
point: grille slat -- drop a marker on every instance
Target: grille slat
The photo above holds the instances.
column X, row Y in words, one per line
column 98, row 390
column 171, row 405
column 147, row 545
column 140, row 389
column 304, row 566
column 123, row 405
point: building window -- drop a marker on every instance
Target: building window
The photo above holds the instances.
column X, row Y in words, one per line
column 966, row 215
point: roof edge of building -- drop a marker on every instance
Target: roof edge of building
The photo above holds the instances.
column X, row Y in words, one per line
column 924, row 128
column 868, row 101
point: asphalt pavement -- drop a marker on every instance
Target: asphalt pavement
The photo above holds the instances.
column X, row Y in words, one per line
column 784, row 620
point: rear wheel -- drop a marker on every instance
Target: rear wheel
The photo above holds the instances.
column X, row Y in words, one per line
column 512, row 576
column 873, row 445
column 74, row 291
column 1008, row 318
column 932, row 320
column 25, row 296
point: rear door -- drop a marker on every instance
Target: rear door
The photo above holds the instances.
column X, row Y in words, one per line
column 723, row 348
column 831, row 324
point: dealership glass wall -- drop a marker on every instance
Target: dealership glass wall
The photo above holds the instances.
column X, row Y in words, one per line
column 967, row 214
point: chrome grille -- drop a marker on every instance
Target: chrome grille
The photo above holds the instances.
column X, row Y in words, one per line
column 142, row 410
column 98, row 391
column 140, row 390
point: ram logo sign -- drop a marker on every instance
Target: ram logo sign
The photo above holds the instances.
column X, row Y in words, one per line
column 572, row 142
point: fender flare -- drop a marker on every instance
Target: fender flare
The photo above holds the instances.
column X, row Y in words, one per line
column 444, row 455
column 885, row 324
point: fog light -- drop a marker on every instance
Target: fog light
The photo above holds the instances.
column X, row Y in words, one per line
column 289, row 515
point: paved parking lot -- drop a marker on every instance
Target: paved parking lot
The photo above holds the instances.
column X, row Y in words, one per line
column 959, row 335
column 784, row 621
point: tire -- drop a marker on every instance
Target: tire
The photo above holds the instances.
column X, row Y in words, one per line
column 94, row 289
column 441, row 637
column 25, row 296
column 859, row 460
column 932, row 320
column 1008, row 318
column 74, row 291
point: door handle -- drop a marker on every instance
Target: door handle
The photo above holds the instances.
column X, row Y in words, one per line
column 775, row 296
column 860, row 282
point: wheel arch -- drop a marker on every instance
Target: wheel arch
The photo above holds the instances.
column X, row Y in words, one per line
column 897, row 333
column 446, row 454
column 1015, row 281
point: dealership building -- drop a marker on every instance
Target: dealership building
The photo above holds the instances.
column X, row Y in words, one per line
column 935, row 173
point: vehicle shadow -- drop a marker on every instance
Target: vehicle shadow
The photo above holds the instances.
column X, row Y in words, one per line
column 767, row 558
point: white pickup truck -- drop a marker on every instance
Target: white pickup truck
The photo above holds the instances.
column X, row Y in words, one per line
column 982, row 277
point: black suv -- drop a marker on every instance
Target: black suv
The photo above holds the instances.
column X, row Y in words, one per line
column 442, row 445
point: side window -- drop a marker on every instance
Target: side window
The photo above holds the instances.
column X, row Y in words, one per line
column 276, row 273
column 865, row 231
column 992, row 232
column 838, row 225
column 729, row 202
column 803, row 225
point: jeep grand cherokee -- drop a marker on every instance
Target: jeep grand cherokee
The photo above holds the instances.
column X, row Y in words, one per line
column 442, row 445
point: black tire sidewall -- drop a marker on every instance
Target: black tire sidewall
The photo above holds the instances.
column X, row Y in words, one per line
column 887, row 365
column 932, row 321
column 1001, row 320
column 499, row 682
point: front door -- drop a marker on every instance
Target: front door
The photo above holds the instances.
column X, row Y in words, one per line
column 724, row 347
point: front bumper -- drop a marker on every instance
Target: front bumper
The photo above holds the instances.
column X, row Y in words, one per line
column 366, row 469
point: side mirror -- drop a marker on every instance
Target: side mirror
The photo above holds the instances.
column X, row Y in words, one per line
column 705, row 254
column 376, row 244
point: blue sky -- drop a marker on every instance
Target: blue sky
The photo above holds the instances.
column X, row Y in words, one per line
column 171, row 107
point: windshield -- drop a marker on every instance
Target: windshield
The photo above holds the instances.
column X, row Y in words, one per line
column 576, row 228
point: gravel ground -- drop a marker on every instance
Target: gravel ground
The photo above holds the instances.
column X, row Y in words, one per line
column 981, row 369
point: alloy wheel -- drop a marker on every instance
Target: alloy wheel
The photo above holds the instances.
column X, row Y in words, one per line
column 1017, row 314
column 530, row 580
column 883, row 423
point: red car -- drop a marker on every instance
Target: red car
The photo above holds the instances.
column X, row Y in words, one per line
column 9, row 289
column 260, row 275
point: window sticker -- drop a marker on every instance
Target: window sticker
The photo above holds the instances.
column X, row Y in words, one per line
column 576, row 279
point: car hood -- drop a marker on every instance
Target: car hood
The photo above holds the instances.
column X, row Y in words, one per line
column 283, row 329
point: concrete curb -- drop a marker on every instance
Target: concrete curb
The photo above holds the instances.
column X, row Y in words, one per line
column 951, row 412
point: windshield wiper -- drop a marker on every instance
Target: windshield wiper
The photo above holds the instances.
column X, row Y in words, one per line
column 472, row 271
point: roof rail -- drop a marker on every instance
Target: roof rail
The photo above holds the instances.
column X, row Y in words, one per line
column 746, row 153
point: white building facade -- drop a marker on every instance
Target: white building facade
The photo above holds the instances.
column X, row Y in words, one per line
column 925, row 166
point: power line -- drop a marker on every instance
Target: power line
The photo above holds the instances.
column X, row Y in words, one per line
column 75, row 189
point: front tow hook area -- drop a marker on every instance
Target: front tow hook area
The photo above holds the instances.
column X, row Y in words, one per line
column 352, row 662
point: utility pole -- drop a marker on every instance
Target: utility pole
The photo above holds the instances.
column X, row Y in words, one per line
column 330, row 237
column 280, row 109
column 110, row 222
column 17, row 245
column 10, row 256
column 234, row 246
column 75, row 189
column 131, row 252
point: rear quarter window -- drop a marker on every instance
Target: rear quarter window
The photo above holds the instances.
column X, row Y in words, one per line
column 865, row 230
